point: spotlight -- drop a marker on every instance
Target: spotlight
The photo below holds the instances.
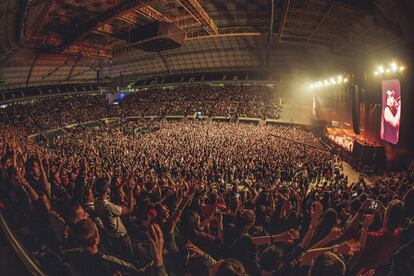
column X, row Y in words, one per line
column 394, row 67
column 381, row 69
column 339, row 78
column 388, row 70
column 345, row 80
column 376, row 73
column 402, row 68
column 326, row 82
column 312, row 86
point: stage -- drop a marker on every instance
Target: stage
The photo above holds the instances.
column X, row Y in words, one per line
column 353, row 148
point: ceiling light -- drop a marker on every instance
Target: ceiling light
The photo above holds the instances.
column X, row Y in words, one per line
column 381, row 69
column 402, row 68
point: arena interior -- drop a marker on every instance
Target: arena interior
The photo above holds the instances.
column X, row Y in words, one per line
column 207, row 137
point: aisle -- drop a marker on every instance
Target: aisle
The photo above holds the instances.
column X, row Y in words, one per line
column 353, row 175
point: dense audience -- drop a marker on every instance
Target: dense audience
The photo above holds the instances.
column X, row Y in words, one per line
column 194, row 197
column 202, row 198
column 232, row 101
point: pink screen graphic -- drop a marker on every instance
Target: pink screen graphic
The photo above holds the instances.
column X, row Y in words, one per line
column 391, row 111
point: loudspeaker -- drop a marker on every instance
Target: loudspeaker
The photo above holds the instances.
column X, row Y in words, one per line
column 355, row 107
column 157, row 36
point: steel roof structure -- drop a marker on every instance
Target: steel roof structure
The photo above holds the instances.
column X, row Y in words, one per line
column 43, row 41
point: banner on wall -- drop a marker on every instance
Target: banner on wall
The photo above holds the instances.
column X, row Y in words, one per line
column 391, row 111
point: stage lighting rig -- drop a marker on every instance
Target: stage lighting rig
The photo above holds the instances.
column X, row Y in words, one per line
column 337, row 80
column 394, row 68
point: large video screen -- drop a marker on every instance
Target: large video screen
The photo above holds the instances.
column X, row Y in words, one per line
column 391, row 111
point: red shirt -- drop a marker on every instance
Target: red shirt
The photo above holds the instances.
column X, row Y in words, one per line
column 378, row 249
column 206, row 210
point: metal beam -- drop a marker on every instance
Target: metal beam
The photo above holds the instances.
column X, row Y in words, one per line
column 31, row 69
column 104, row 18
column 165, row 63
column 88, row 51
column 81, row 73
column 153, row 14
column 283, row 20
column 321, row 22
column 194, row 8
column 342, row 45
column 56, row 69
column 129, row 18
column 270, row 37
column 73, row 67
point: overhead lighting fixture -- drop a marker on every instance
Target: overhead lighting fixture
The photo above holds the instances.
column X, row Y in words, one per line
column 339, row 79
column 393, row 68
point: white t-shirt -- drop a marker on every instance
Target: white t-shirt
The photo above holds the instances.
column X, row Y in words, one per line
column 111, row 217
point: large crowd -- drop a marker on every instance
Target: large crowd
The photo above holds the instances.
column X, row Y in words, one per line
column 194, row 197
column 232, row 101
column 201, row 198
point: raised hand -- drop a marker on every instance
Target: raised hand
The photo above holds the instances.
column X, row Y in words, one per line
column 316, row 213
column 156, row 239
column 367, row 221
column 349, row 248
column 194, row 250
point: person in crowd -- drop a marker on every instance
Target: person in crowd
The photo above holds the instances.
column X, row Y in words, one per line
column 199, row 198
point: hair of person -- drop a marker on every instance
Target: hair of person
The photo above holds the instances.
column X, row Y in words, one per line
column 328, row 264
column 86, row 232
column 409, row 202
column 395, row 214
column 231, row 267
column 70, row 209
column 246, row 217
column 271, row 258
column 212, row 198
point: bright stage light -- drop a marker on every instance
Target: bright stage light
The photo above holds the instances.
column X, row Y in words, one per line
column 392, row 69
column 339, row 79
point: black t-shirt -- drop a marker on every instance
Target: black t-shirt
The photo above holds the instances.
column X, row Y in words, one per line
column 244, row 250
column 98, row 264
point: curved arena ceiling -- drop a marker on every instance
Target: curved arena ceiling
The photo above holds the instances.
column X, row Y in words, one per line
column 43, row 41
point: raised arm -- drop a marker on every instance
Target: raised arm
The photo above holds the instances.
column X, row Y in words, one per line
column 126, row 210
column 288, row 237
column 45, row 183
